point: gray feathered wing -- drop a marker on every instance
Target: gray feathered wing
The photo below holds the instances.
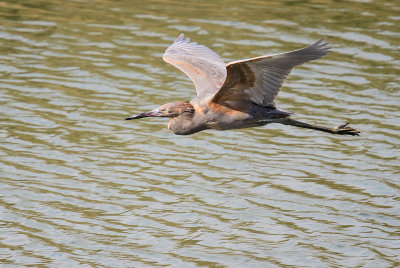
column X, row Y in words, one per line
column 203, row 66
column 259, row 79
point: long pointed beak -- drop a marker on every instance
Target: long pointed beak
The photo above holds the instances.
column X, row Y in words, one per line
column 154, row 113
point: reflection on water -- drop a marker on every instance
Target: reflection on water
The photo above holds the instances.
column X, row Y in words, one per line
column 82, row 187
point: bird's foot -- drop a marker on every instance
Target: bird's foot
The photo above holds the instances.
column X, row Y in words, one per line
column 346, row 130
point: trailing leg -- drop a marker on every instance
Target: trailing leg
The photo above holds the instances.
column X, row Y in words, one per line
column 340, row 130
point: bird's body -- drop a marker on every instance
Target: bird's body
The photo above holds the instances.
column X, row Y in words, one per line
column 237, row 95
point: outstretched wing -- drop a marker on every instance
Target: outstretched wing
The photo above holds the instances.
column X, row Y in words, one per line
column 259, row 79
column 205, row 67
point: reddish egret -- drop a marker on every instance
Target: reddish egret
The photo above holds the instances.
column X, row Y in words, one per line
column 239, row 94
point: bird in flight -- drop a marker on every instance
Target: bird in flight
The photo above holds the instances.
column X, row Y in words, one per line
column 236, row 95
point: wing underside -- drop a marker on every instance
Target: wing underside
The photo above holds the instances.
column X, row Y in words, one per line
column 203, row 66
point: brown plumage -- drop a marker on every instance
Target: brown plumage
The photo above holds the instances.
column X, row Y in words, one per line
column 240, row 94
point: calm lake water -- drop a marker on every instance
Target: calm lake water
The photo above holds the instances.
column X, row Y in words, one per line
column 82, row 187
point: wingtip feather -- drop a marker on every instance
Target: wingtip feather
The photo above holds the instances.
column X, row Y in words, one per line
column 180, row 37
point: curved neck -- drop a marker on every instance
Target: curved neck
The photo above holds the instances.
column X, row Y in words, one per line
column 186, row 124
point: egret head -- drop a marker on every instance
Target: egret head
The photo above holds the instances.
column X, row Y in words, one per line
column 172, row 109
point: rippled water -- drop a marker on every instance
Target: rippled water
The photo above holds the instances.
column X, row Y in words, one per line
column 82, row 187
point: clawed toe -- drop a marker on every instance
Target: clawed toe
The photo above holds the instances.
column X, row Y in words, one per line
column 344, row 129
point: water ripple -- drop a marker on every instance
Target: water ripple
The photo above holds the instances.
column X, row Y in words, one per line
column 83, row 187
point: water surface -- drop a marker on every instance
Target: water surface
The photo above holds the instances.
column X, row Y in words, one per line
column 81, row 187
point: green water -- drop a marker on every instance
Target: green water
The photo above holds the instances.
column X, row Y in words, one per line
column 81, row 187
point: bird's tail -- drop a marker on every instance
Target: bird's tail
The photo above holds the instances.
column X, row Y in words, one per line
column 276, row 113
